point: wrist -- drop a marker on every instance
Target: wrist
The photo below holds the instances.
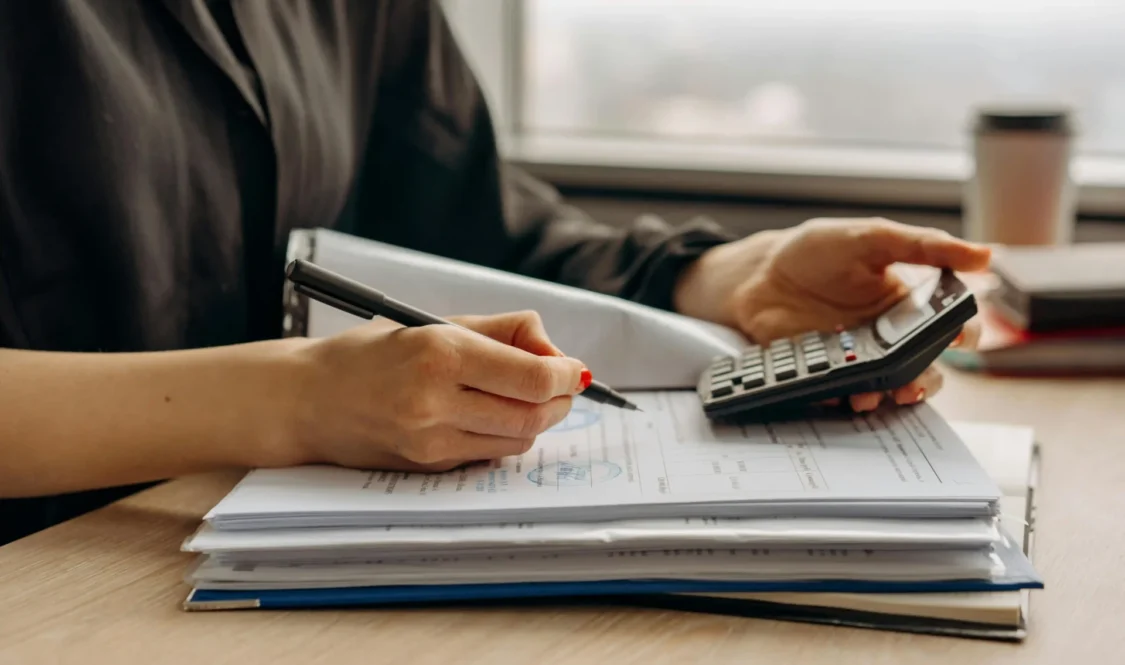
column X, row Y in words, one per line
column 708, row 288
column 282, row 372
column 689, row 291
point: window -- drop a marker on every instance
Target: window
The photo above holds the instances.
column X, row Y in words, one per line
column 868, row 98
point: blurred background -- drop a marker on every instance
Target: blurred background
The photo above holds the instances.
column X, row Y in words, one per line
column 764, row 112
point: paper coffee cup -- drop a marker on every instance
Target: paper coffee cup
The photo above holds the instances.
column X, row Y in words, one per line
column 1021, row 191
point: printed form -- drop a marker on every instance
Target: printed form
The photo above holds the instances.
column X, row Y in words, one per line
column 669, row 453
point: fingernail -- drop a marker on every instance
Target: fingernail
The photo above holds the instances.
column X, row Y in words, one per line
column 920, row 395
column 870, row 403
column 585, row 379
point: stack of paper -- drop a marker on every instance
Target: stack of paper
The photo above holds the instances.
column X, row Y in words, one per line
column 612, row 502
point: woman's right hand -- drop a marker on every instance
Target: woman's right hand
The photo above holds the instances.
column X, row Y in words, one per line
column 380, row 396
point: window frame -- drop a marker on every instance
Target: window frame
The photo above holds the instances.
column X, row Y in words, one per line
column 492, row 33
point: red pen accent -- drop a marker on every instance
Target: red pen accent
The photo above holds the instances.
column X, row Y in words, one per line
column 586, row 378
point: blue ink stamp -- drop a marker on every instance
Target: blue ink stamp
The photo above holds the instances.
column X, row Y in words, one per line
column 574, row 474
column 578, row 418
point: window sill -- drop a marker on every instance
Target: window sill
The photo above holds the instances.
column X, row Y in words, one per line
column 850, row 175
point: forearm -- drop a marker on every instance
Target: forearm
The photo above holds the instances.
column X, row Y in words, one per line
column 640, row 261
column 70, row 422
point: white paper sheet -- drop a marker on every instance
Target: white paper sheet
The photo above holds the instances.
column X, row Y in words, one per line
column 795, row 533
column 730, row 565
column 667, row 461
column 626, row 345
column 1006, row 451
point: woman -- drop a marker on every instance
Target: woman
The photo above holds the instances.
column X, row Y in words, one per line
column 154, row 157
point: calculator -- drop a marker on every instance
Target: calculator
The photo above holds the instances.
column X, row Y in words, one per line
column 807, row 369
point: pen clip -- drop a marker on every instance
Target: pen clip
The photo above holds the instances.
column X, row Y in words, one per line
column 334, row 302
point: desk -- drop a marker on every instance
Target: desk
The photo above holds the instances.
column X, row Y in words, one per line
column 106, row 588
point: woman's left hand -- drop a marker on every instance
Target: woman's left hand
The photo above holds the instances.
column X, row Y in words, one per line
column 821, row 274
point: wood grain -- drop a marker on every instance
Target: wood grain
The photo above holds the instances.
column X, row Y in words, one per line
column 106, row 588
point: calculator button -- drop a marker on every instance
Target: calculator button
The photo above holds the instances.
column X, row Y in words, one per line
column 785, row 373
column 850, row 356
column 751, row 363
column 817, row 364
column 719, row 378
column 751, row 381
column 722, row 389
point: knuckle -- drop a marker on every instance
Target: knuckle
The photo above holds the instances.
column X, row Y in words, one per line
column 868, row 232
column 428, row 451
column 434, row 351
column 815, row 223
column 419, row 412
column 439, row 467
column 528, row 316
column 538, row 381
column 534, row 422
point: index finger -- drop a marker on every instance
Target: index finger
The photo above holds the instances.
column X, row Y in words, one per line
column 493, row 367
column 522, row 329
column 889, row 243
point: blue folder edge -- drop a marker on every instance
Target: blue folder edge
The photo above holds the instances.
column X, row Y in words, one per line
column 200, row 599
column 1019, row 574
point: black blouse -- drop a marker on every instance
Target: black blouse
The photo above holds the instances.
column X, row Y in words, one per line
column 155, row 155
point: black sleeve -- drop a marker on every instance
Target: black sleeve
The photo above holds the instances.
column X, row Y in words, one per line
column 433, row 180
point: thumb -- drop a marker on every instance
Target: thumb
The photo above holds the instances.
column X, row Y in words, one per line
column 885, row 242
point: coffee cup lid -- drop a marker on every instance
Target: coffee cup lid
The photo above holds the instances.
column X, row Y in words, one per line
column 1024, row 119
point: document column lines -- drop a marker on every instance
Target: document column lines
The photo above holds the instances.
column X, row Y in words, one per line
column 810, row 456
column 663, row 452
column 632, row 461
column 917, row 445
column 590, row 448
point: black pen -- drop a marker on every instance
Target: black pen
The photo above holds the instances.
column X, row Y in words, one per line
column 363, row 301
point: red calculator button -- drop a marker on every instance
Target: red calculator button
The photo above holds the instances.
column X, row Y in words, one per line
column 849, row 357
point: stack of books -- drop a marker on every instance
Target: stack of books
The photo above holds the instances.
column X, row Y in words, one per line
column 887, row 515
column 895, row 519
column 1055, row 311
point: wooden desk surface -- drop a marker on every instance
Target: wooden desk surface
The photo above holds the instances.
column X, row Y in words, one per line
column 106, row 588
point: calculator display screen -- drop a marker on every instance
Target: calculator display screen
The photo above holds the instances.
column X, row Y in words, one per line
column 906, row 316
